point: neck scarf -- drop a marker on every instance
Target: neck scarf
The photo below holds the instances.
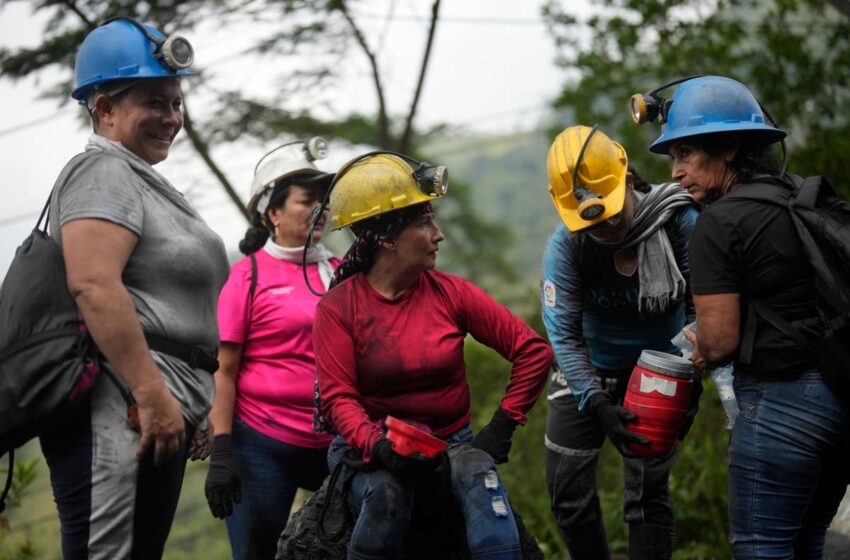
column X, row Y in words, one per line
column 661, row 282
column 143, row 169
column 317, row 253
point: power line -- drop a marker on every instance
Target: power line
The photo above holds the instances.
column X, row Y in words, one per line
column 29, row 124
column 456, row 19
column 8, row 220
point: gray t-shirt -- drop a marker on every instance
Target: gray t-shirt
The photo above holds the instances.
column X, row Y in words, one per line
column 177, row 268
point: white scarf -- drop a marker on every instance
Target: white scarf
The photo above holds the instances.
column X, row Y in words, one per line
column 317, row 253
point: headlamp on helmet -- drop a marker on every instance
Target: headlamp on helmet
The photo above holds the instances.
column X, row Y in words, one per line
column 649, row 106
column 433, row 180
column 590, row 204
column 316, row 148
column 175, row 51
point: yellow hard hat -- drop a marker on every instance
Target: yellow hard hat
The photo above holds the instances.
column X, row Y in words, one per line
column 600, row 177
column 380, row 183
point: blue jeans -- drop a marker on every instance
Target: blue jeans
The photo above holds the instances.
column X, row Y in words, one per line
column 272, row 471
column 385, row 505
column 788, row 467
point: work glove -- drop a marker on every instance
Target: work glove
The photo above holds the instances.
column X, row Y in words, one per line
column 495, row 437
column 223, row 487
column 401, row 466
column 613, row 419
column 690, row 415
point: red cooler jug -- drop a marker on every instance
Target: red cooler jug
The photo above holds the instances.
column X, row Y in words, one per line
column 659, row 394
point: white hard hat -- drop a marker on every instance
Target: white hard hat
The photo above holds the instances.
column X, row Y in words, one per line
column 287, row 160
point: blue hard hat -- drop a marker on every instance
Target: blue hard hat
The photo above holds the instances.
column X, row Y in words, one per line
column 120, row 50
column 711, row 104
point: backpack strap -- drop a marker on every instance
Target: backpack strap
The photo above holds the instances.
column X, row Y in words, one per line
column 8, row 485
column 748, row 337
column 780, row 196
column 253, row 276
column 784, row 327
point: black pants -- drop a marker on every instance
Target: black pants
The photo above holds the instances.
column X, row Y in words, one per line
column 573, row 442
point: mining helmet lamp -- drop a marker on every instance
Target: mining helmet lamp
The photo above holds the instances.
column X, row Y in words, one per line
column 432, row 180
column 590, row 204
column 316, row 148
column 175, row 51
column 646, row 107
column 649, row 106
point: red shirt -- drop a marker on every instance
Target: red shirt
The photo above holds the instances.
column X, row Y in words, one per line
column 404, row 357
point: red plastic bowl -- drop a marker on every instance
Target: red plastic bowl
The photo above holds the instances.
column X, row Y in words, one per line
column 408, row 440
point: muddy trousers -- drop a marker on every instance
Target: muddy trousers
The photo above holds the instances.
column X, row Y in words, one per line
column 111, row 505
column 385, row 505
column 573, row 442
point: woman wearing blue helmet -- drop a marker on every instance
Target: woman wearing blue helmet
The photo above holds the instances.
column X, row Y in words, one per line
column 145, row 271
column 787, row 456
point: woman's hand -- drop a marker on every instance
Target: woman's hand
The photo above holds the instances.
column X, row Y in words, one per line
column 161, row 421
column 696, row 357
column 202, row 442
column 400, row 465
column 495, row 437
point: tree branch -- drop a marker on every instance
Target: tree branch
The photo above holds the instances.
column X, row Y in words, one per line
column 73, row 7
column 203, row 150
column 842, row 6
column 383, row 123
column 407, row 135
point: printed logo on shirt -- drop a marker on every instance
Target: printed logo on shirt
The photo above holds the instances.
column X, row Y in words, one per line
column 548, row 293
column 281, row 291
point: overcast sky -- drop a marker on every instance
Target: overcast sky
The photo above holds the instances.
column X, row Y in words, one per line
column 492, row 69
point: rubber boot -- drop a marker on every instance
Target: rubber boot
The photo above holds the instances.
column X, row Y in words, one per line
column 587, row 545
column 650, row 541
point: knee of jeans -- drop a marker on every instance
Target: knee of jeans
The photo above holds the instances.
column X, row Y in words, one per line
column 469, row 464
column 571, row 480
column 388, row 498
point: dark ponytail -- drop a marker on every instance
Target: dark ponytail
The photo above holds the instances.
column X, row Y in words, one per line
column 255, row 237
column 257, row 234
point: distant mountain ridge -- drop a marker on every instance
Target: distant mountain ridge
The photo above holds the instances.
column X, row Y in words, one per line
column 508, row 178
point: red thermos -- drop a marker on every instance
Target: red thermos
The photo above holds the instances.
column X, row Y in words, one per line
column 659, row 394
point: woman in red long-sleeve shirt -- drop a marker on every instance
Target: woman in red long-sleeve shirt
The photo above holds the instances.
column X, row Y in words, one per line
column 389, row 341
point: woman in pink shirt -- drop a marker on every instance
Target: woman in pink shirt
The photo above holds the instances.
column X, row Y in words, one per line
column 265, row 448
column 389, row 340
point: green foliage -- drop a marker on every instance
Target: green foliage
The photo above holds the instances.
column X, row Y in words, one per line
column 13, row 545
column 793, row 54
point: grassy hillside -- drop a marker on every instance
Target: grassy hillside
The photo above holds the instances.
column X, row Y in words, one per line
column 508, row 178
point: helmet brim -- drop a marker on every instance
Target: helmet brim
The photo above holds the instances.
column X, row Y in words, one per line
column 757, row 132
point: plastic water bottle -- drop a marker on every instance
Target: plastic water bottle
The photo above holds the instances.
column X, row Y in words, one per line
column 722, row 378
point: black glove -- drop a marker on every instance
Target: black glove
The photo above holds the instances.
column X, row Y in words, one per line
column 692, row 411
column 224, row 479
column 399, row 465
column 613, row 419
column 495, row 437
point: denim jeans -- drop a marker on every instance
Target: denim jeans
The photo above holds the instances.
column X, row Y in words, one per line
column 385, row 505
column 272, row 471
column 788, row 467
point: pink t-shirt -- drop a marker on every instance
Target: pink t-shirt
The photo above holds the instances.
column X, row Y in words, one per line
column 274, row 386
